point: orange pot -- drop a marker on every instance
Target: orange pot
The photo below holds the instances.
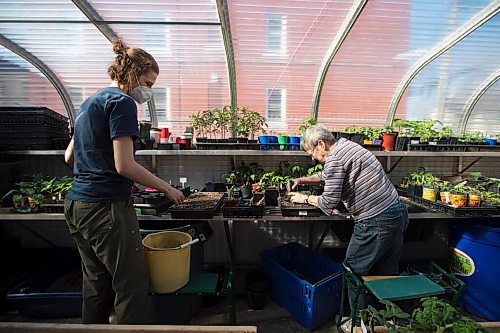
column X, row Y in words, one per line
column 458, row 199
column 388, row 140
column 474, row 200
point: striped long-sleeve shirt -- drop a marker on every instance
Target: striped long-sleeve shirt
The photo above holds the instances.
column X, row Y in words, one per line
column 354, row 175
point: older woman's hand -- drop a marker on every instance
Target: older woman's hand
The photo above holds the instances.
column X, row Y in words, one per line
column 298, row 198
column 296, row 182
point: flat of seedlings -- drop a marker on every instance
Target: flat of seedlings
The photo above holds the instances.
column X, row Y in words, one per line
column 200, row 205
column 289, row 208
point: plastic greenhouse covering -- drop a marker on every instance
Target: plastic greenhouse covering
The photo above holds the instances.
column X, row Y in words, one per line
column 341, row 62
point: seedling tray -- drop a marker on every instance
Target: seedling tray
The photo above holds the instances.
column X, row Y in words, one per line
column 200, row 205
column 293, row 209
column 300, row 210
column 52, row 207
column 245, row 208
column 153, row 209
column 483, row 210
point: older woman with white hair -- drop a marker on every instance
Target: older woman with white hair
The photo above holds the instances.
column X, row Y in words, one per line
column 354, row 176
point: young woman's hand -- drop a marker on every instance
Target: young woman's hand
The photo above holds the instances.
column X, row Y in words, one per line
column 176, row 196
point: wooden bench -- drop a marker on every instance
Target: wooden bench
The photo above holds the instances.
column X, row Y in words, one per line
column 7, row 327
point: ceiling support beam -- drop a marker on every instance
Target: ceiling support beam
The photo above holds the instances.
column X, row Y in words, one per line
column 49, row 74
column 471, row 103
column 486, row 14
column 231, row 67
column 95, row 18
column 349, row 21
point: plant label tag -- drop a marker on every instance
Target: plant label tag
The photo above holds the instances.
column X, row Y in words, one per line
column 302, row 213
column 183, row 180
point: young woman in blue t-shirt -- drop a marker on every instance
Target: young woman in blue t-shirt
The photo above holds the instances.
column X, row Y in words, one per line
column 99, row 212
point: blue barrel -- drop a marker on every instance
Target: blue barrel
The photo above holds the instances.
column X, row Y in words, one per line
column 474, row 253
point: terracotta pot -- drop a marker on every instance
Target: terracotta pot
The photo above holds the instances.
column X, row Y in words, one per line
column 458, row 199
column 388, row 140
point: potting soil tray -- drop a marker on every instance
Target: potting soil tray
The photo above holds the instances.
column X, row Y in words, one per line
column 293, row 209
column 200, row 205
column 245, row 208
column 55, row 291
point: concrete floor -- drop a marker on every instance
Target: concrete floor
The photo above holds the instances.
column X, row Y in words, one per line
column 271, row 319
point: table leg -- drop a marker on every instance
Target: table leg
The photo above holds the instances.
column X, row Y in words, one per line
column 229, row 240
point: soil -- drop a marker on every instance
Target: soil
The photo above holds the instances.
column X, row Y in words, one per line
column 285, row 200
column 201, row 200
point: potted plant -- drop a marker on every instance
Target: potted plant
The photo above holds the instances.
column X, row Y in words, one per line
column 222, row 120
column 306, row 123
column 407, row 133
column 355, row 134
column 458, row 195
column 430, row 187
column 445, row 135
column 473, row 138
column 255, row 122
column 473, row 196
column 388, row 138
column 232, row 195
column 433, row 316
column 197, row 122
column 444, row 191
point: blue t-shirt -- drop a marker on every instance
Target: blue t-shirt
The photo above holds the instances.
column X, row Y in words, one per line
column 107, row 114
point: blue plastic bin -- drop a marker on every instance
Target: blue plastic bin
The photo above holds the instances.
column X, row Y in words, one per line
column 306, row 284
column 475, row 247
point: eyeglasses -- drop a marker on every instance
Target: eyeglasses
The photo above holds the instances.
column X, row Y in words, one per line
column 311, row 151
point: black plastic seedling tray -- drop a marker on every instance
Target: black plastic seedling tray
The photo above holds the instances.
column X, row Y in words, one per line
column 192, row 209
column 300, row 210
column 483, row 210
column 245, row 208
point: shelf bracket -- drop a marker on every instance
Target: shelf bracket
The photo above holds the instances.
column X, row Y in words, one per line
column 460, row 164
column 389, row 168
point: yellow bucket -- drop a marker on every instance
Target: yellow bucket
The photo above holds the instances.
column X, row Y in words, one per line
column 168, row 264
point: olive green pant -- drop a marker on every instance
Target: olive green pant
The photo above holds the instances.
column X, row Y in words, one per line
column 115, row 275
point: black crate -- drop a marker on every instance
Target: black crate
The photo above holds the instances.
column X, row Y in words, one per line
column 31, row 116
column 55, row 291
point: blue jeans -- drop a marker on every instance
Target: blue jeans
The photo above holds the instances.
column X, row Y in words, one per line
column 376, row 246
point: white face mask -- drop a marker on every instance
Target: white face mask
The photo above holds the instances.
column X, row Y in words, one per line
column 141, row 94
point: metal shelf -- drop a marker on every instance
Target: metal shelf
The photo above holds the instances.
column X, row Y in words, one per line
column 267, row 153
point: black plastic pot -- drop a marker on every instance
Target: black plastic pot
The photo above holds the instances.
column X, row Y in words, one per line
column 271, row 196
column 246, row 191
column 256, row 286
column 256, row 301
